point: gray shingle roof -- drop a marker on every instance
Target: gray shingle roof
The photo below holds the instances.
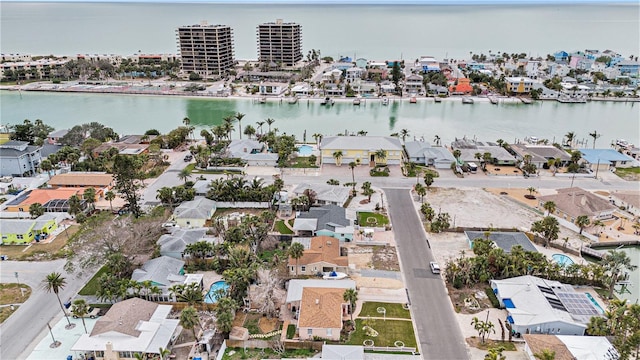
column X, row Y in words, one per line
column 179, row 239
column 504, row 240
column 17, row 226
column 198, row 208
column 324, row 192
column 162, row 270
column 328, row 216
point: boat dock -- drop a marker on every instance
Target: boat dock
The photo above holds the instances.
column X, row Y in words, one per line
column 493, row 100
column 592, row 252
column 526, row 101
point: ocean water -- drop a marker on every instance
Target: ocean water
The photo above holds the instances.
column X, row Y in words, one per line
column 378, row 32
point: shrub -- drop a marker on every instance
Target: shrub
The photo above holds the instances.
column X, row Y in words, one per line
column 492, row 297
column 291, row 331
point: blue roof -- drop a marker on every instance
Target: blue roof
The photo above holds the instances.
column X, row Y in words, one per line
column 603, row 155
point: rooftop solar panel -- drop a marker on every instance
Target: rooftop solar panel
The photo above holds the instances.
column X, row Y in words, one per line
column 577, row 303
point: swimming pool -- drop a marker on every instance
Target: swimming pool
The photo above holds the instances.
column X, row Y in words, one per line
column 212, row 295
column 562, row 260
column 305, row 150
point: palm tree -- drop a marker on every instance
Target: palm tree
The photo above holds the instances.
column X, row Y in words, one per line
column 570, row 137
column 421, row 191
column 110, row 196
column 269, row 121
column 428, row 179
column 189, row 320
column 80, row 309
column 482, row 327
column 436, row 139
column 249, row 131
column 352, row 166
column 595, row 135
column 184, row 174
column 550, row 206
column 381, row 155
column 225, row 313
column 338, row 156
column 317, row 137
column 615, row 263
column 36, row 210
column 47, row 166
column 456, row 154
column 239, row 117
column 89, row 195
column 582, row 221
column 531, row 191
column 404, row 133
column 164, row 352
column 545, row 354
column 351, row 296
column 296, row 250
column 54, row 283
column 260, row 124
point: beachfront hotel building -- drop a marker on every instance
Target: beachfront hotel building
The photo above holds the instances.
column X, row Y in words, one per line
column 206, row 50
column 280, row 42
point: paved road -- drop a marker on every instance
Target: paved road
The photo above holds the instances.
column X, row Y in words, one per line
column 18, row 332
column 169, row 178
column 438, row 331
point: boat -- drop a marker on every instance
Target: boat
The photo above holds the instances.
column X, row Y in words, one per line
column 572, row 100
column 467, row 100
column 493, row 100
column 385, row 101
column 263, row 100
column 437, row 99
column 333, row 275
column 356, row 101
column 293, row 100
column 413, row 100
column 332, row 102
column 325, row 101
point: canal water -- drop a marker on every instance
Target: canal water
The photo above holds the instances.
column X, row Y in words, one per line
column 129, row 114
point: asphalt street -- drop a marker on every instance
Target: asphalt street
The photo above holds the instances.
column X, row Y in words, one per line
column 27, row 323
column 438, row 331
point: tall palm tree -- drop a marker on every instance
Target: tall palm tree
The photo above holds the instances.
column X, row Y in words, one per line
column 404, row 133
column 317, row 137
column 352, row 166
column 249, row 131
column 381, row 155
column 189, row 320
column 337, row 155
column 54, row 283
column 184, row 175
column 351, row 296
column 436, row 139
column 570, row 137
column 595, row 135
column 456, row 154
column 582, row 221
column 260, row 124
column 36, row 210
column 239, row 117
column 110, row 196
column 296, row 250
column 80, row 309
column 269, row 121
column 550, row 206
column 615, row 263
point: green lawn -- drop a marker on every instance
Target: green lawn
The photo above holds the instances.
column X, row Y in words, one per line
column 282, row 228
column 389, row 332
column 301, row 162
column 380, row 219
column 392, row 310
column 92, row 286
column 628, row 173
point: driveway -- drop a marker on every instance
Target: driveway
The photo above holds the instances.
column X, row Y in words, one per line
column 24, row 326
column 439, row 336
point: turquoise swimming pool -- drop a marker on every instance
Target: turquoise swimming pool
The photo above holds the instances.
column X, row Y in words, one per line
column 212, row 295
column 562, row 260
column 305, row 150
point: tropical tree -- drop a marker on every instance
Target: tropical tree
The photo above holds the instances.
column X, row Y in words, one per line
column 367, row 190
column 260, row 125
column 80, row 309
column 615, row 264
column 428, row 179
column 36, row 210
column 296, row 250
column 582, row 221
column 545, row 354
column 595, row 135
column 456, row 154
column 570, row 137
column 337, row 155
column 351, row 296
column 381, row 155
column 239, row 116
column 225, row 313
column 548, row 228
column 482, row 327
column 75, row 205
column 532, row 190
column 184, row 174
column 54, row 283
column 164, row 353
column 352, row 166
column 110, row 196
column 269, row 121
column 436, row 140
column 47, row 166
column 317, row 137
column 249, row 131
column 495, row 353
column 333, row 182
column 550, row 206
column 89, row 195
column 189, row 320
column 404, row 133
column 421, row 191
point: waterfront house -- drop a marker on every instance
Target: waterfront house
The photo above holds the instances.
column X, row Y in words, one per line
column 332, row 76
column 429, row 64
column 539, row 306
column 561, row 55
column 325, row 194
column 194, row 213
column 18, row 158
column 540, row 154
column 469, row 148
column 437, row 90
column 132, row 326
column 302, row 89
column 519, row 85
column 575, row 201
column 253, row 152
column 627, row 200
column 413, row 83
column 322, row 256
column 502, row 239
column 605, row 159
column 354, row 73
column 54, row 137
column 628, row 67
column 570, row 347
column 173, row 244
column 362, row 63
column 361, row 149
column 269, row 88
column 421, row 152
column 461, row 86
column 319, row 307
column 329, row 220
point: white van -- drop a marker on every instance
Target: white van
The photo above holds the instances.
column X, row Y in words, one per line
column 472, row 167
column 435, row 268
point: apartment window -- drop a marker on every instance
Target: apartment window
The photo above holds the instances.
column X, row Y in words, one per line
column 303, row 268
column 310, row 332
column 20, row 237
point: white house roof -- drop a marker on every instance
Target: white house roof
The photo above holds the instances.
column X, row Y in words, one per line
column 239, row 147
column 180, row 238
column 198, row 208
column 342, row 352
column 360, row 143
column 324, row 192
column 163, row 270
column 588, row 347
column 300, row 224
column 295, row 287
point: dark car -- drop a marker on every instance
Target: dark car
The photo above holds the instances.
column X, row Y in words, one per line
column 188, row 157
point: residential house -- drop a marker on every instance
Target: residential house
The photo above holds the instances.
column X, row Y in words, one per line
column 252, row 151
column 429, row 64
column 421, row 152
column 540, row 154
column 333, row 89
column 130, row 327
column 519, row 85
column 18, row 158
column 324, row 317
column 575, row 89
column 559, row 70
column 174, row 244
column 354, row 73
column 377, row 71
column 629, row 200
column 329, row 220
column 628, row 67
column 341, row 65
column 194, row 213
column 164, row 272
column 201, row 187
column 325, row 194
column 605, row 159
column 502, row 239
column 332, row 76
column 437, row 90
column 361, row 149
column 462, row 86
column 413, row 83
column 469, row 148
column 54, row 137
column 532, row 69
column 322, row 256
column 568, row 347
column 53, row 200
column 573, row 202
column 17, row 231
column 100, row 181
column 361, row 63
column 301, row 89
column 123, row 148
column 275, row 89
column 539, row 306
column 561, row 55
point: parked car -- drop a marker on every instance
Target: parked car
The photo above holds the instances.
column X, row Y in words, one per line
column 435, row 268
column 170, row 225
column 92, row 313
column 188, row 157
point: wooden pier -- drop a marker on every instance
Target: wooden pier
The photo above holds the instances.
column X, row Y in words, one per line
column 592, row 252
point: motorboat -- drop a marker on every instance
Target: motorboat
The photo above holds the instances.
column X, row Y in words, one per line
column 413, row 100
column 263, row 100
column 293, row 100
column 356, row 101
column 437, row 99
column 493, row 100
column 326, row 101
column 334, row 275
column 467, row 100
column 385, row 101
